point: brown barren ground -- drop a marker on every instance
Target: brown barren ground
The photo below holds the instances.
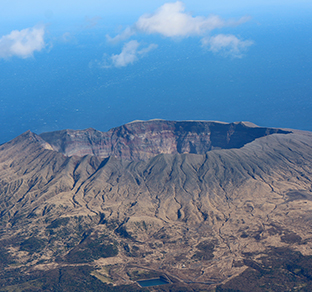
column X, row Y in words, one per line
column 200, row 219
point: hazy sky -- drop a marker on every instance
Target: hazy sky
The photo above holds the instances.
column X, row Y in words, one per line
column 97, row 63
column 38, row 10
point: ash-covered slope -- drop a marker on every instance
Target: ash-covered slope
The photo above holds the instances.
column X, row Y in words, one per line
column 143, row 140
column 200, row 218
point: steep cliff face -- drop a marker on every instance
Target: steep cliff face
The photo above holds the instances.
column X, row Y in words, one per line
column 143, row 140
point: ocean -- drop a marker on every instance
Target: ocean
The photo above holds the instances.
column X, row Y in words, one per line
column 67, row 85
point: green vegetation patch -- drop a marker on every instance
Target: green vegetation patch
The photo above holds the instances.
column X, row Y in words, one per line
column 122, row 231
column 33, row 244
column 291, row 237
column 205, row 250
column 58, row 223
column 91, row 249
column 5, row 257
column 140, row 274
column 280, row 270
column 66, row 279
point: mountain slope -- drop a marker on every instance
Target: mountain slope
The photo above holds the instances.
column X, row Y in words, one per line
column 203, row 217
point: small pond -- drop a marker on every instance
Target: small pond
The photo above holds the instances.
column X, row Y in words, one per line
column 152, row 282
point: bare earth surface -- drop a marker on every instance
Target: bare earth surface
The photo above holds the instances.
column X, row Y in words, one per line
column 206, row 205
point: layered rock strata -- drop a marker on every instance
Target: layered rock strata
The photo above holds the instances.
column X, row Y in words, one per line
column 143, row 140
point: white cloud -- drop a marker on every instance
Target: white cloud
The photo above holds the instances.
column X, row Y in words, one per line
column 227, row 44
column 22, row 43
column 127, row 33
column 127, row 56
column 130, row 53
column 144, row 51
column 171, row 20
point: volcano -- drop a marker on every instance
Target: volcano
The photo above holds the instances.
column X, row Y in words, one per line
column 208, row 206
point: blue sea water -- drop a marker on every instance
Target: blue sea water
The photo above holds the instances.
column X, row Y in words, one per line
column 64, row 86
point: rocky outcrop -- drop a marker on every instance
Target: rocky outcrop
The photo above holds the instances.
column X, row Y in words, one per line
column 143, row 140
